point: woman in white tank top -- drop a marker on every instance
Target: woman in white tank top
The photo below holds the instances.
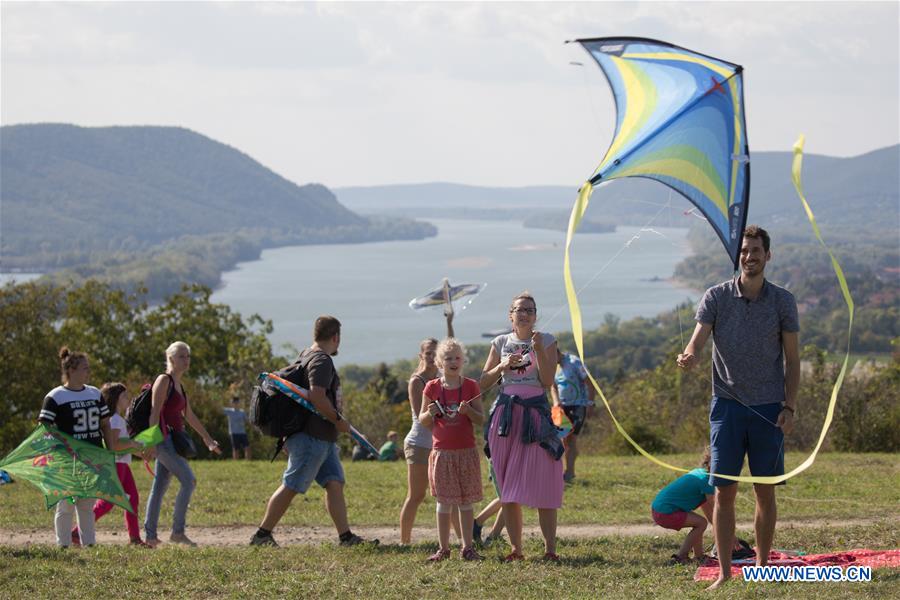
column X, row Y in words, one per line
column 417, row 444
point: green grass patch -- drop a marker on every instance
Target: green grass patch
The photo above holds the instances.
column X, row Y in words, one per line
column 609, row 490
column 609, row 567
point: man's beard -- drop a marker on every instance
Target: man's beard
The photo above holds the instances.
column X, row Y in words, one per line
column 335, row 353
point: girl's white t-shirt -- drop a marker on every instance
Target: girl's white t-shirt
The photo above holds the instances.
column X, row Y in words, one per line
column 120, row 430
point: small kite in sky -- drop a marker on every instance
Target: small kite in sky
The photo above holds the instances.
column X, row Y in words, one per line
column 446, row 295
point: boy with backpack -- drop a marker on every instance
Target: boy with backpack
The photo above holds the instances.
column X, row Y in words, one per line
column 312, row 451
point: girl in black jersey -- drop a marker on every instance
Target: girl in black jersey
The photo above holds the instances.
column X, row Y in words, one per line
column 76, row 408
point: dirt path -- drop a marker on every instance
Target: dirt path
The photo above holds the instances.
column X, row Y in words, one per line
column 289, row 536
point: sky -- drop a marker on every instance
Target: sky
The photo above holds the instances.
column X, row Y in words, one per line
column 480, row 93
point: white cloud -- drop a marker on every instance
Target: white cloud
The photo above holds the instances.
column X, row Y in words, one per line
column 358, row 93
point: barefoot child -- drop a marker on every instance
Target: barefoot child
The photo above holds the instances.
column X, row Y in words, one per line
column 115, row 396
column 451, row 405
column 674, row 504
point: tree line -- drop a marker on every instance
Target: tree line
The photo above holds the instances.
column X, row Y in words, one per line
column 662, row 408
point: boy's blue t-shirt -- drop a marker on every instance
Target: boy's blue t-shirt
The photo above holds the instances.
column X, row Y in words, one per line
column 236, row 419
column 684, row 494
column 570, row 382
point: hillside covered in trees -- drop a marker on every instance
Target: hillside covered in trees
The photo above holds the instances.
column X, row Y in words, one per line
column 157, row 205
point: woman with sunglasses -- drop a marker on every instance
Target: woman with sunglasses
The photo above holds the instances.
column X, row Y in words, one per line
column 524, row 447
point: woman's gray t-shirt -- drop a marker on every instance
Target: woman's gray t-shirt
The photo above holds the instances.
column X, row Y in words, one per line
column 527, row 374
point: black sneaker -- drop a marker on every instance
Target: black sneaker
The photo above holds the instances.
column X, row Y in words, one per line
column 476, row 532
column 263, row 540
column 355, row 540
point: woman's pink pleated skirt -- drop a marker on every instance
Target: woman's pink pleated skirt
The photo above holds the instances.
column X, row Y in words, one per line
column 526, row 473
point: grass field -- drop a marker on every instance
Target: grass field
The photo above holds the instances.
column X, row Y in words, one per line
column 609, row 490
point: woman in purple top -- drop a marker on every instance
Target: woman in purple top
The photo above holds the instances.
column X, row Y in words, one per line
column 524, row 447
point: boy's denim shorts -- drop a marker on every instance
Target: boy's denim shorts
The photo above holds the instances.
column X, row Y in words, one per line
column 311, row 459
column 736, row 430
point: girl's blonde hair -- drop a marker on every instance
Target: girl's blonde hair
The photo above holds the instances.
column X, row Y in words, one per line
column 448, row 345
column 173, row 348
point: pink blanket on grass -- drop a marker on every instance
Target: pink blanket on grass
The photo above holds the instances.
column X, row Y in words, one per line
column 866, row 558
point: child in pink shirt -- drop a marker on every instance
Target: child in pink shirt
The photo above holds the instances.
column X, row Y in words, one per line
column 450, row 407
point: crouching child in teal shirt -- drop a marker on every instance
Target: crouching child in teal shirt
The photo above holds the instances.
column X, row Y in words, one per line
column 674, row 505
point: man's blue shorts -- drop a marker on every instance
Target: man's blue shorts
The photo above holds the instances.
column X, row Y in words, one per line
column 735, row 430
column 239, row 441
column 311, row 458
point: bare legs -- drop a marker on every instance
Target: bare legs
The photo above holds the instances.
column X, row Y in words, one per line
column 334, row 503
column 417, row 482
column 465, row 518
column 571, row 445
column 493, row 507
column 764, row 521
column 547, row 518
column 723, row 518
column 277, row 506
column 513, row 514
column 694, row 539
column 337, row 505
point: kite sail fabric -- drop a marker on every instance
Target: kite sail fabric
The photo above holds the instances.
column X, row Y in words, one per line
column 63, row 467
column 680, row 121
column 438, row 297
column 148, row 437
column 273, row 382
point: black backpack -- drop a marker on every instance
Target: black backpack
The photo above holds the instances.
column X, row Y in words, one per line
column 137, row 416
column 276, row 414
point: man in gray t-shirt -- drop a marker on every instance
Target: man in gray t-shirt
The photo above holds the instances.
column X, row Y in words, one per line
column 755, row 376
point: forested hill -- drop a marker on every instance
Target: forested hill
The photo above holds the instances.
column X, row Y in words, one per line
column 108, row 189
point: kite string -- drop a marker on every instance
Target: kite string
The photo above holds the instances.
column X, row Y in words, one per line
column 614, row 257
column 627, row 244
column 578, row 209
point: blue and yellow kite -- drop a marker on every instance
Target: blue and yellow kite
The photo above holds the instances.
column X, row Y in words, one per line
column 679, row 121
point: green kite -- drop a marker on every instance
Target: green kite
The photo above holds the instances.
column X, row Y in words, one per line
column 63, row 467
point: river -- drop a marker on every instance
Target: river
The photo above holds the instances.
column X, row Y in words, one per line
column 368, row 286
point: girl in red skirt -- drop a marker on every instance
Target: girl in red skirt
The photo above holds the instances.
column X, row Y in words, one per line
column 451, row 407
